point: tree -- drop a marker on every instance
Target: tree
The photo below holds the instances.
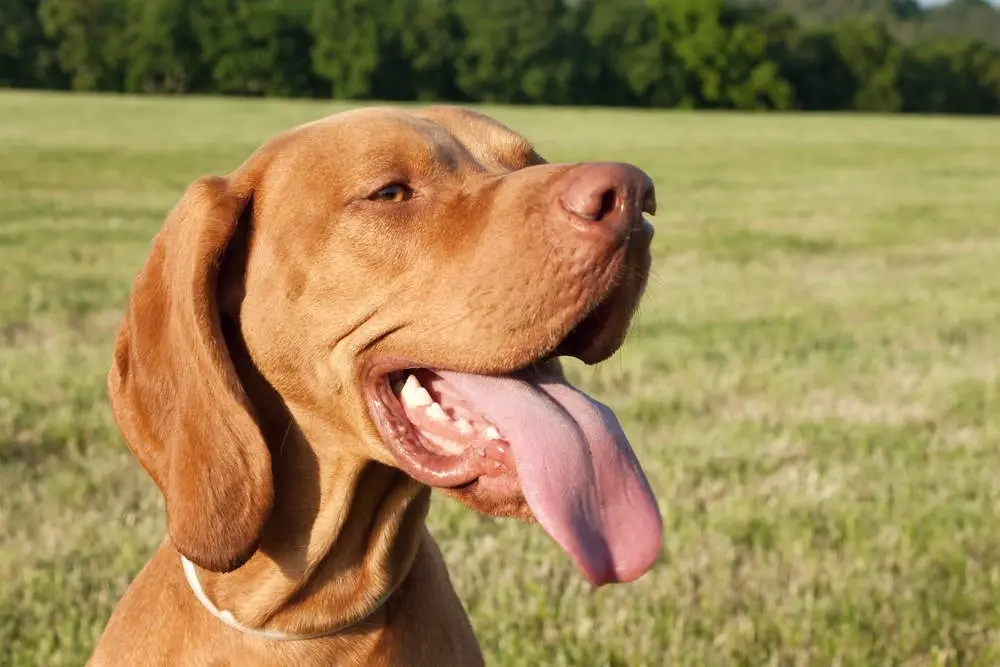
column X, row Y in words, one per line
column 392, row 50
column 421, row 47
column 817, row 13
column 27, row 56
column 345, row 46
column 725, row 60
column 975, row 20
column 256, row 47
column 162, row 51
column 515, row 51
column 89, row 38
column 872, row 56
column 625, row 62
column 822, row 80
column 951, row 76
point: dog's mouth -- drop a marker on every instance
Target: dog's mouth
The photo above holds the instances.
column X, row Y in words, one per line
column 530, row 434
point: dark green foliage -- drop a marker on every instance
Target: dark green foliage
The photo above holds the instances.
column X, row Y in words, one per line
column 27, row 55
column 255, row 47
column 345, row 45
column 812, row 63
column 88, row 39
column 942, row 75
column 864, row 55
column 391, row 50
column 419, row 49
column 722, row 56
column 621, row 57
column 872, row 57
column 516, row 51
column 163, row 54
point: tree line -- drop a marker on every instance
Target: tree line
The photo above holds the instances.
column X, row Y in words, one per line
column 706, row 54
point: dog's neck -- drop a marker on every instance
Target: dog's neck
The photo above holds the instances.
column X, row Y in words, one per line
column 342, row 535
column 336, row 544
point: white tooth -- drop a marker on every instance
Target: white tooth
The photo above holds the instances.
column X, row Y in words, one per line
column 413, row 393
column 464, row 427
column 436, row 412
column 492, row 433
column 445, row 444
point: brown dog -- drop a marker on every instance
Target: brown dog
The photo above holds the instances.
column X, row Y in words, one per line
column 371, row 306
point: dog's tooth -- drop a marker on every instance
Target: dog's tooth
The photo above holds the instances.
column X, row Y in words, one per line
column 397, row 386
column 421, row 397
column 411, row 384
column 437, row 413
column 464, row 427
column 492, row 433
column 414, row 394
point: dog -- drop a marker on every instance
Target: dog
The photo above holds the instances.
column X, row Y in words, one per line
column 372, row 306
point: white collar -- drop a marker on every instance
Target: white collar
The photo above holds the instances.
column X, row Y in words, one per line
column 227, row 617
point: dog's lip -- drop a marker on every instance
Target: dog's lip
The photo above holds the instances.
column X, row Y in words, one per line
column 413, row 452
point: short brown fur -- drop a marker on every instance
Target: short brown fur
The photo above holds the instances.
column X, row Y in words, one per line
column 238, row 372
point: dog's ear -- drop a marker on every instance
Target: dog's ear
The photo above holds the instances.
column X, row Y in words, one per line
column 175, row 393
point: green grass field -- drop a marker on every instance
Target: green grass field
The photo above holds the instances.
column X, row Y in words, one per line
column 813, row 385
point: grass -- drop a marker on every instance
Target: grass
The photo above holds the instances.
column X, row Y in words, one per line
column 813, row 386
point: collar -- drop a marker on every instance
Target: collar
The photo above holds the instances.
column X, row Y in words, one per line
column 227, row 617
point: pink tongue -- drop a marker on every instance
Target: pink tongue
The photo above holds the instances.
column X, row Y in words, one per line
column 577, row 471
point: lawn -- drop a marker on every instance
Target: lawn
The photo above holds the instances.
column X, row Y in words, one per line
column 813, row 385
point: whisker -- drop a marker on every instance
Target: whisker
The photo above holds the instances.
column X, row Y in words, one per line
column 655, row 277
column 284, row 438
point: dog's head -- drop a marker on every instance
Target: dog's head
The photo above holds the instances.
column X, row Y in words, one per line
column 405, row 284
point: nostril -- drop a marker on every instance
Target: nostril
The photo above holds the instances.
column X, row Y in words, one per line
column 594, row 204
column 609, row 201
column 611, row 194
column 649, row 202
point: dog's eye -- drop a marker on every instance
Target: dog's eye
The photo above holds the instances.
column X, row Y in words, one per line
column 396, row 192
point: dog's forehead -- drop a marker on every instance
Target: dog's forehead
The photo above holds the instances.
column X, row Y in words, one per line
column 449, row 135
column 487, row 139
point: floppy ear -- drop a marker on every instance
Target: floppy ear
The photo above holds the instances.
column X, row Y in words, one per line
column 174, row 391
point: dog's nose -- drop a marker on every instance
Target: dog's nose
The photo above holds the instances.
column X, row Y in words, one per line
column 608, row 198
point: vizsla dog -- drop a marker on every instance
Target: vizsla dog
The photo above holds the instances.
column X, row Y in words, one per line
column 371, row 307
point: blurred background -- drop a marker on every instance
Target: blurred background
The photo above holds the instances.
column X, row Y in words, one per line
column 868, row 55
column 812, row 382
